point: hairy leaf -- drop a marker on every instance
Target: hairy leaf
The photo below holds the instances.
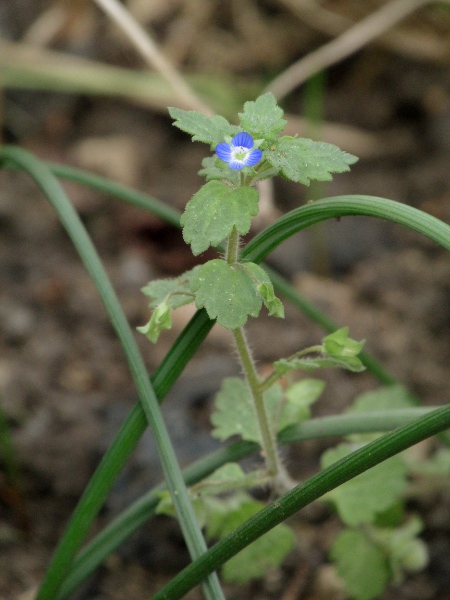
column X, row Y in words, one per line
column 174, row 292
column 159, row 321
column 214, row 210
column 271, row 302
column 301, row 159
column 385, row 398
column 228, row 292
column 406, row 553
column 234, row 412
column 214, row 168
column 299, row 397
column 374, row 491
column 266, row 552
column 284, row 365
column 361, row 564
column 263, row 118
column 220, row 481
column 211, row 130
column 339, row 345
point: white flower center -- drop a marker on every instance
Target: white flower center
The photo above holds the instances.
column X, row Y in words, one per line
column 240, row 153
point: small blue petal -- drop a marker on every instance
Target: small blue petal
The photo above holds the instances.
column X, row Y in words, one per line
column 243, row 139
column 236, row 164
column 223, row 151
column 253, row 157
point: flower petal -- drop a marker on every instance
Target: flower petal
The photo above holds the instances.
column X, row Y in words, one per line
column 243, row 139
column 253, row 157
column 236, row 164
column 224, row 151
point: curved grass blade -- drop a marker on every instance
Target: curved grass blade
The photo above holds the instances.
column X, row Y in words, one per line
column 172, row 472
column 128, row 436
column 340, row 206
column 128, row 195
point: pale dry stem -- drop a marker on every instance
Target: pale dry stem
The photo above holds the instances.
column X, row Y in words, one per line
column 355, row 38
column 150, row 52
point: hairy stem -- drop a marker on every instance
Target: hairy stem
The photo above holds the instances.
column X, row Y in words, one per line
column 232, row 247
column 268, row 442
column 274, row 376
column 275, row 469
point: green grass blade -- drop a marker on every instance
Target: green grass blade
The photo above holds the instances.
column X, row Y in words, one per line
column 127, row 194
column 302, row 495
column 172, row 472
column 129, row 434
column 340, row 206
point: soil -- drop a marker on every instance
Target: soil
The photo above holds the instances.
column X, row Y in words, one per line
column 64, row 384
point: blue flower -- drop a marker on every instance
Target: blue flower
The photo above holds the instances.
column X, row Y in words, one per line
column 240, row 152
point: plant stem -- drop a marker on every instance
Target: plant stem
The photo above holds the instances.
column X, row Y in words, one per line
column 268, row 442
column 275, row 469
column 232, row 247
column 274, row 376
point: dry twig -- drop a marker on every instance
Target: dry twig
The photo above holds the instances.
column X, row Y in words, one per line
column 143, row 42
column 421, row 45
column 355, row 38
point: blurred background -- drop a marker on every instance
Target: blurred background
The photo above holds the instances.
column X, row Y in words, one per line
column 371, row 77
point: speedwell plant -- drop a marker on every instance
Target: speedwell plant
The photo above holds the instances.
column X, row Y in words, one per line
column 232, row 288
column 257, row 408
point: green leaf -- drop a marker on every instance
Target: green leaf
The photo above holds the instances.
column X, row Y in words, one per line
column 385, row 398
column 234, row 412
column 221, row 480
column 299, row 397
column 374, row 491
column 228, row 292
column 159, row 321
column 211, row 130
column 393, row 516
column 272, row 303
column 361, row 564
column 301, row 159
column 266, row 552
column 214, row 210
column 263, row 118
column 284, row 365
column 406, row 553
column 214, row 168
column 223, row 513
column 339, row 345
column 166, row 507
column 174, row 292
column 351, row 363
